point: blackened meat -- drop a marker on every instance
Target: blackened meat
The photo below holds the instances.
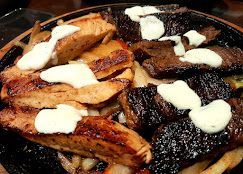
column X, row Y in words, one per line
column 146, row 109
column 146, row 49
column 175, row 19
column 180, row 144
column 140, row 108
column 209, row 86
column 171, row 66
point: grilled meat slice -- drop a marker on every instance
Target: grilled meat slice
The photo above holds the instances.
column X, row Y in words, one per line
column 34, row 92
column 94, row 137
column 93, row 28
column 117, row 60
column 210, row 86
column 140, row 108
column 146, row 49
column 175, row 19
column 180, row 144
column 146, row 109
column 171, row 66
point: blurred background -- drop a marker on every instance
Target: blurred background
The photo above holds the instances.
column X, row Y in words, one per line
column 16, row 16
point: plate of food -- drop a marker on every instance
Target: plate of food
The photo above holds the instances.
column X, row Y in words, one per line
column 123, row 88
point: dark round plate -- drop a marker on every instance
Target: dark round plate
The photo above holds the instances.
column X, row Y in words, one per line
column 18, row 155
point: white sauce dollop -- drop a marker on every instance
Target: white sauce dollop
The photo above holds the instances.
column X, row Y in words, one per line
column 213, row 117
column 63, row 119
column 43, row 52
column 179, row 94
column 179, row 48
column 202, row 56
column 76, row 75
column 136, row 12
column 151, row 27
column 195, row 38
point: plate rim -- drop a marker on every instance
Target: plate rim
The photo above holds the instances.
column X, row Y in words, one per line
column 10, row 44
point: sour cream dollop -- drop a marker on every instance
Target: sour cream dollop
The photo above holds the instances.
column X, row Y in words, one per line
column 195, row 38
column 151, row 28
column 179, row 94
column 202, row 56
column 76, row 75
column 136, row 12
column 43, row 52
column 63, row 119
column 213, row 117
column 179, row 48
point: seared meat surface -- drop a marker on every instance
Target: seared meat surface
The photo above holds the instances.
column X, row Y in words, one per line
column 94, row 137
column 175, row 20
column 180, row 144
column 146, row 49
column 169, row 65
column 145, row 108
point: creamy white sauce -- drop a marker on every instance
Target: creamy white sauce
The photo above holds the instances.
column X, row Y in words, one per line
column 151, row 28
column 195, row 38
column 43, row 52
column 150, row 10
column 76, row 75
column 136, row 12
column 202, row 56
column 179, row 94
column 122, row 118
column 179, row 48
column 63, row 119
column 213, row 117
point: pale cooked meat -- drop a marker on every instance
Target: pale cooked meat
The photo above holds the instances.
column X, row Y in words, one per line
column 117, row 60
column 102, row 50
column 40, row 94
column 94, row 137
column 93, row 28
column 13, row 72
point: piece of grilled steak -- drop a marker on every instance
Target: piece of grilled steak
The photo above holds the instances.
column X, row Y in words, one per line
column 168, row 64
column 146, row 49
column 180, row 144
column 175, row 20
column 145, row 108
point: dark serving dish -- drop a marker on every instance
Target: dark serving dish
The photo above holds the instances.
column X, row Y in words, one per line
column 18, row 155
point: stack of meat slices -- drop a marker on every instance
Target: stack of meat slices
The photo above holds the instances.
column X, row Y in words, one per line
column 176, row 142
column 95, row 136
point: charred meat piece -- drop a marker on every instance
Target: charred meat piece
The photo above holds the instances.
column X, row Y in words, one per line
column 94, row 137
column 146, row 49
column 140, row 107
column 210, row 86
column 145, row 108
column 180, row 144
column 175, row 19
column 171, row 66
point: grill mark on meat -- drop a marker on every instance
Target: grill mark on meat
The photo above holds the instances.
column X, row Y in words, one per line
column 210, row 86
column 171, row 66
column 93, row 137
column 146, row 109
column 180, row 144
column 27, row 84
column 117, row 60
